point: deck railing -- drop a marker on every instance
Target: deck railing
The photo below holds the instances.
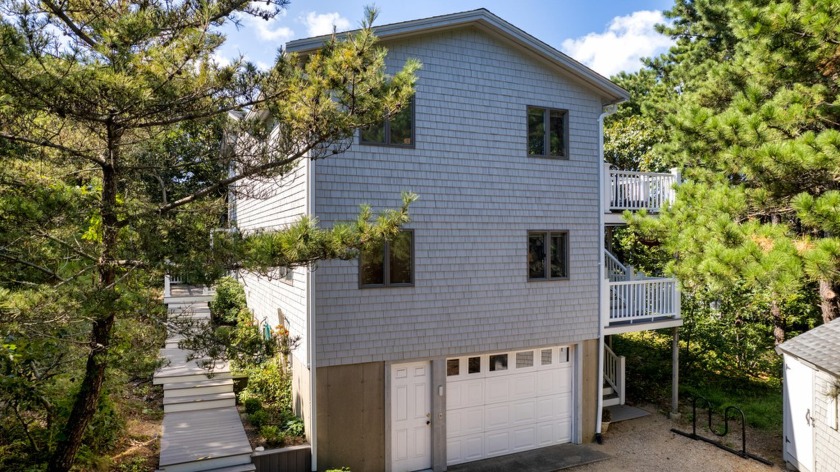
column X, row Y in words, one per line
column 629, row 190
column 642, row 300
column 614, row 368
column 616, row 271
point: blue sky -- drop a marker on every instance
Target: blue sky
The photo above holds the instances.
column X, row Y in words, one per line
column 607, row 35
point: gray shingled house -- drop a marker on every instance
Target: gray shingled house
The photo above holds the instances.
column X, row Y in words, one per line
column 811, row 391
column 480, row 330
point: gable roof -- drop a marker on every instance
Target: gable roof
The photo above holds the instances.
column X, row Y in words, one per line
column 819, row 347
column 492, row 24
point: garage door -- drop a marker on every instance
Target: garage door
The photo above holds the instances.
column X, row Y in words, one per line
column 507, row 402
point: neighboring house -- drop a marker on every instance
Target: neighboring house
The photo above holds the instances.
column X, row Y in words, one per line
column 811, row 391
column 479, row 331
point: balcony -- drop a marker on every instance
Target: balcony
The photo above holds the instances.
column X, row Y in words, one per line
column 632, row 301
column 634, row 191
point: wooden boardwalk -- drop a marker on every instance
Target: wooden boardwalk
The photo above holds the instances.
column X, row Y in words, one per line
column 201, row 426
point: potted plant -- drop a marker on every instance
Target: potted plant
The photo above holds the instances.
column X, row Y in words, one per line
column 606, row 419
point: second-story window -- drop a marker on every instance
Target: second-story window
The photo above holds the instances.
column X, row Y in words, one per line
column 396, row 131
column 390, row 264
column 547, row 132
column 548, row 255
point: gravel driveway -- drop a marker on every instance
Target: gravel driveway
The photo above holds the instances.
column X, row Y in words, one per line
column 648, row 444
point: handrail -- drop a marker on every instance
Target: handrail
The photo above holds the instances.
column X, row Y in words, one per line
column 614, row 368
column 616, row 271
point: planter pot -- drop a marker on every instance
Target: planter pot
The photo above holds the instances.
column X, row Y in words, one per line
column 605, row 425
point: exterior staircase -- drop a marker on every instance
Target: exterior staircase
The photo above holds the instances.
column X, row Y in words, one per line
column 202, row 430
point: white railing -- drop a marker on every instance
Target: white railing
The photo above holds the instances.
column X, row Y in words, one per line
column 629, row 190
column 614, row 368
column 616, row 271
column 643, row 300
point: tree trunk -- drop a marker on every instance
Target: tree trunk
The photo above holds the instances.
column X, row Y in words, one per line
column 829, row 302
column 87, row 399
column 778, row 323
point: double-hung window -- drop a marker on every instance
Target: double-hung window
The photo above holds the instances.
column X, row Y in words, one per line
column 548, row 132
column 390, row 264
column 548, row 255
column 395, row 131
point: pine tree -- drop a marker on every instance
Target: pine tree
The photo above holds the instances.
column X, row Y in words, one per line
column 111, row 119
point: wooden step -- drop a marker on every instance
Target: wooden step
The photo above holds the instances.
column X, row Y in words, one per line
column 236, row 468
column 198, row 402
column 204, row 440
column 203, row 387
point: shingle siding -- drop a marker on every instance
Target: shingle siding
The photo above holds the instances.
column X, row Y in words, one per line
column 275, row 205
column 479, row 195
column 826, row 438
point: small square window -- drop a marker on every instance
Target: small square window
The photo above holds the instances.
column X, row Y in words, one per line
column 546, row 356
column 548, row 255
column 547, row 132
column 524, row 359
column 453, row 367
column 474, row 365
column 396, row 131
column 498, row 362
column 389, row 264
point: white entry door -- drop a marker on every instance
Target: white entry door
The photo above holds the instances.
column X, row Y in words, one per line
column 411, row 415
column 799, row 414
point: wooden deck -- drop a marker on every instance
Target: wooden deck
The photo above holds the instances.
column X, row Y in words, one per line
column 206, row 432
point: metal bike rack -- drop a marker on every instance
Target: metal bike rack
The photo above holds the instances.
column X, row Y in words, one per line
column 726, row 417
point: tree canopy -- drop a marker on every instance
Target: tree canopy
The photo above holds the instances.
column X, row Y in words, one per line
column 748, row 106
column 121, row 137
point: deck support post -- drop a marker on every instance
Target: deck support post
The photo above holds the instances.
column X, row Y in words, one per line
column 675, row 374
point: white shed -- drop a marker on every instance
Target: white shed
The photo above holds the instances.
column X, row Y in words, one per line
column 811, row 389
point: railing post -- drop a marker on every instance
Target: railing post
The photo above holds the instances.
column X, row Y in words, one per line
column 605, row 302
column 606, row 198
column 672, row 192
column 620, row 379
column 167, row 286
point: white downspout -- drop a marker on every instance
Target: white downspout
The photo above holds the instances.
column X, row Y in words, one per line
column 607, row 111
column 310, row 327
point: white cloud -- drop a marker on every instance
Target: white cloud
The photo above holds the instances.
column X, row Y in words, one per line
column 270, row 30
column 320, row 24
column 626, row 40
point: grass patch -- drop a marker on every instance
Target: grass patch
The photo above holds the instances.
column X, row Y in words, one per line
column 648, row 356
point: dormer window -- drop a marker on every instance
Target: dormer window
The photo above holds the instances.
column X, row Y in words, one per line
column 396, row 131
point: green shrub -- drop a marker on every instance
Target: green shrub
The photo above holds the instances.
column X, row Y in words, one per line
column 273, row 436
column 294, row 427
column 252, row 405
column 228, row 302
column 271, row 383
column 258, row 418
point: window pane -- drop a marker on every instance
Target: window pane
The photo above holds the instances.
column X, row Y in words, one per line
column 374, row 134
column 400, row 258
column 498, row 362
column 546, row 356
column 536, row 131
column 371, row 267
column 558, row 255
column 474, row 365
column 453, row 367
column 564, row 354
column 524, row 359
column 401, row 127
column 536, row 256
column 557, row 133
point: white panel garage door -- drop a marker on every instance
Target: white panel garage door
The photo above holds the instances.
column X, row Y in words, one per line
column 507, row 402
